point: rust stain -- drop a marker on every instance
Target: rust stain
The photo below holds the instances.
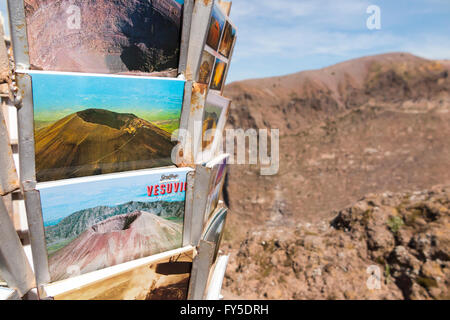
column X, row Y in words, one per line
column 198, row 96
column 194, row 99
column 202, row 88
column 14, row 183
column 188, row 73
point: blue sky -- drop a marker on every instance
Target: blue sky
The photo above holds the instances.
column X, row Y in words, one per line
column 286, row 36
column 56, row 96
column 277, row 37
column 59, row 202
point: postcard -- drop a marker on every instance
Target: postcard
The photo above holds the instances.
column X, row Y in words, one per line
column 228, row 39
column 162, row 277
column 215, row 229
column 218, row 77
column 139, row 37
column 214, row 118
column 216, row 25
column 97, row 222
column 206, row 66
column 219, row 171
column 90, row 125
column 211, row 117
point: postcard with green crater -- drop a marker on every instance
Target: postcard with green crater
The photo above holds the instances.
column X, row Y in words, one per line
column 93, row 223
column 87, row 124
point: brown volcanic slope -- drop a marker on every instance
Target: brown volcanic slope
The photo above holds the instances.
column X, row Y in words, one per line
column 116, row 240
column 114, row 36
column 98, row 141
column 403, row 237
column 364, row 126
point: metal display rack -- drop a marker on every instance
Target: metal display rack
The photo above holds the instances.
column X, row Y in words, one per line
column 25, row 273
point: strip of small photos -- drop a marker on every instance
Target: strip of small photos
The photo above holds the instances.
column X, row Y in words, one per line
column 218, row 51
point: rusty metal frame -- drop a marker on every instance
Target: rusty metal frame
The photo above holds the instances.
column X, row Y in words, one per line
column 180, row 156
column 185, row 35
column 186, row 105
column 188, row 210
column 36, row 234
column 200, row 197
column 9, row 181
column 14, row 265
column 201, row 268
column 194, row 100
column 25, row 119
column 19, row 39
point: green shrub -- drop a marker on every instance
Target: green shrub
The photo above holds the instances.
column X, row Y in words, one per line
column 395, row 223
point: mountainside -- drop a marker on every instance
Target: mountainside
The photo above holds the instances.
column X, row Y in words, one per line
column 364, row 126
column 104, row 36
column 75, row 224
column 97, row 141
column 116, row 240
column 400, row 80
column 369, row 125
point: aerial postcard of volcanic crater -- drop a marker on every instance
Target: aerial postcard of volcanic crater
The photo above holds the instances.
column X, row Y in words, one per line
column 94, row 223
column 90, row 125
column 103, row 36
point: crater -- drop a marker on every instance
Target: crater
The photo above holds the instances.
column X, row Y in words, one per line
column 116, row 224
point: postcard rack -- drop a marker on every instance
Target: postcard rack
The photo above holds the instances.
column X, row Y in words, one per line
column 119, row 173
